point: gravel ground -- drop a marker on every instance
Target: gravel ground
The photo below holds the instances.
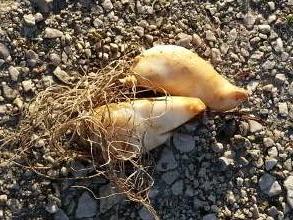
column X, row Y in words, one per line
column 224, row 166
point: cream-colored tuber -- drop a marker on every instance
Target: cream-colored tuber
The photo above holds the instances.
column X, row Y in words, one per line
column 146, row 123
column 183, row 73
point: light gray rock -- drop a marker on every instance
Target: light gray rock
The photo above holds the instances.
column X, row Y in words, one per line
column 268, row 142
column 210, row 36
column 269, row 185
column 257, row 55
column 144, row 214
column 107, row 5
column 31, row 55
column 39, row 17
column 55, row 59
column 167, row 161
column 278, row 46
column 244, row 52
column 269, row 65
column 255, row 211
column 60, row 215
column 288, row 184
column 270, row 163
column 139, row 30
column 4, row 52
column 252, row 86
column 196, row 40
column 177, row 188
column 3, row 199
column 184, row 40
column 28, row 85
column 3, row 109
column 183, row 142
column 61, row 75
column 233, row 34
column 218, row 147
column 254, row 126
column 170, row 176
column 273, row 152
column 14, row 73
column 8, row 92
column 87, row 206
column 52, row 208
column 225, row 162
column 280, row 78
column 288, row 165
column 272, row 6
column 272, row 18
column 149, row 38
column 29, row 20
column 250, row 20
column 216, row 55
column 52, row 33
column 243, row 128
column 98, row 23
column 264, row 28
column 209, row 217
column 273, row 211
column 283, row 109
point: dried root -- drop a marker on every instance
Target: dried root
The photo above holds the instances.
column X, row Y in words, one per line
column 62, row 118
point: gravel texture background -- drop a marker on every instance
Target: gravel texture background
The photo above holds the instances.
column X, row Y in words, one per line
column 225, row 166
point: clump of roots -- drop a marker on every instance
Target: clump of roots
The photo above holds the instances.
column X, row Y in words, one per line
column 62, row 117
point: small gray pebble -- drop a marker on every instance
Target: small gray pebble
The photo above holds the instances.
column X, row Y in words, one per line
column 269, row 185
column 264, row 28
column 218, row 147
column 87, row 206
column 29, row 20
column 288, row 184
column 272, row 6
column 144, row 214
column 177, row 188
column 184, row 40
column 210, row 36
column 209, row 217
column 60, row 215
column 3, row 199
column 278, row 46
column 167, row 161
column 269, row 65
column 52, row 33
column 280, row 78
column 107, row 5
column 283, row 109
column 4, row 52
column 273, row 211
column 254, row 126
column 183, row 142
column 268, row 142
column 55, row 59
column 61, row 75
column 270, row 163
column 8, row 92
column 14, row 73
column 27, row 85
column 52, row 208
column 273, row 152
column 170, row 176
